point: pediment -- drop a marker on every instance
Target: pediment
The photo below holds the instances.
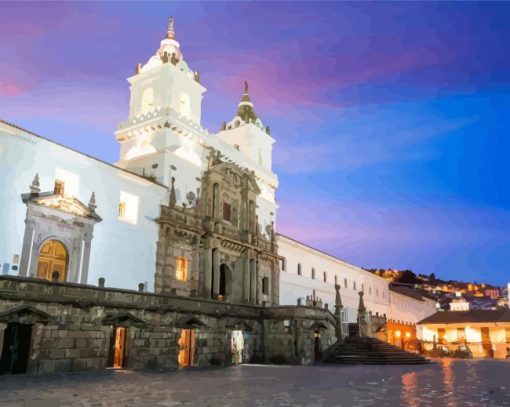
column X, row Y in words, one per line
column 25, row 314
column 123, row 319
column 66, row 204
column 189, row 322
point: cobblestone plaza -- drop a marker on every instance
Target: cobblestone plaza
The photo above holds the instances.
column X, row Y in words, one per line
column 442, row 383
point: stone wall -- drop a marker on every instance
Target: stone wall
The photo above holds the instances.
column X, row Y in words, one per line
column 72, row 327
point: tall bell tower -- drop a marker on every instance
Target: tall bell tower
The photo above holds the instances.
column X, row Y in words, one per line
column 166, row 102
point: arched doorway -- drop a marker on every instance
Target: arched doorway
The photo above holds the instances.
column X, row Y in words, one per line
column 16, row 348
column 317, row 348
column 186, row 344
column 224, row 282
column 237, row 346
column 53, row 259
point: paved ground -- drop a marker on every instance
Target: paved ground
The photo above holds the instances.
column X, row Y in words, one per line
column 443, row 383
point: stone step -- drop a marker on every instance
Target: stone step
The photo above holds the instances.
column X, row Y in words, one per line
column 365, row 350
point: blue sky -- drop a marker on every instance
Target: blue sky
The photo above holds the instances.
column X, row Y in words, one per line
column 391, row 119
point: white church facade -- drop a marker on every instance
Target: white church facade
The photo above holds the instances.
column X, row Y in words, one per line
column 179, row 204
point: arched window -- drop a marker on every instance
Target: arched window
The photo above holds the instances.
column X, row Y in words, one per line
column 299, row 269
column 53, row 261
column 325, row 277
column 147, row 103
column 354, row 285
column 185, row 105
column 313, row 273
column 181, row 269
column 345, row 282
column 265, row 285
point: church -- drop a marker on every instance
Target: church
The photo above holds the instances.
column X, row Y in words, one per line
column 169, row 257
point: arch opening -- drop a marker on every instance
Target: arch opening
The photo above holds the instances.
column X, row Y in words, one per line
column 53, row 261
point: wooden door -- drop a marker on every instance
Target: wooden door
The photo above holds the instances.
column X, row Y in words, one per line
column 120, row 343
column 186, row 348
column 440, row 335
column 52, row 259
column 486, row 342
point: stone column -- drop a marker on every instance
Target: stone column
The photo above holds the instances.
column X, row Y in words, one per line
column 208, row 273
column 26, row 251
column 74, row 247
column 257, row 280
column 246, row 279
column 253, row 282
column 216, row 273
column 86, row 261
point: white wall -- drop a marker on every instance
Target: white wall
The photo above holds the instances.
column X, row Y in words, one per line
column 122, row 253
column 293, row 286
column 410, row 310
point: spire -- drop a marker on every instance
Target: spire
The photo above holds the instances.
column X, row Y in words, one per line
column 92, row 202
column 246, row 110
column 170, row 34
column 35, row 186
column 246, row 96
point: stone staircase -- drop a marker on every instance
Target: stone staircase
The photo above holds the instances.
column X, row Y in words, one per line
column 356, row 350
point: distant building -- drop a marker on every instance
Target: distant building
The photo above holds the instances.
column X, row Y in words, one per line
column 484, row 333
column 459, row 303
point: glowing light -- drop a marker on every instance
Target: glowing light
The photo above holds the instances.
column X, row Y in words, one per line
column 398, row 333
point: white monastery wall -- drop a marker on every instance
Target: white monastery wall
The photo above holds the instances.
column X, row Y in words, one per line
column 410, row 310
column 351, row 279
column 122, row 251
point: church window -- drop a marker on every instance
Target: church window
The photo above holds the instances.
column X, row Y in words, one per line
column 336, row 280
column 354, row 285
column 265, row 285
column 345, row 282
column 58, row 189
column 325, row 277
column 370, row 290
column 128, row 208
column 226, row 211
column 185, row 105
column 122, row 209
column 284, row 263
column 181, row 269
column 147, row 103
column 299, row 269
column 313, row 273
column 69, row 179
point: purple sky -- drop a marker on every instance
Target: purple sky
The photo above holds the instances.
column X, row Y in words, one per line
column 391, row 119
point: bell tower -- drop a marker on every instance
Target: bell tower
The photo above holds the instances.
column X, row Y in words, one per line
column 164, row 91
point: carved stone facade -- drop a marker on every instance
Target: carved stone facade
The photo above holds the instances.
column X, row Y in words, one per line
column 218, row 242
column 54, row 218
